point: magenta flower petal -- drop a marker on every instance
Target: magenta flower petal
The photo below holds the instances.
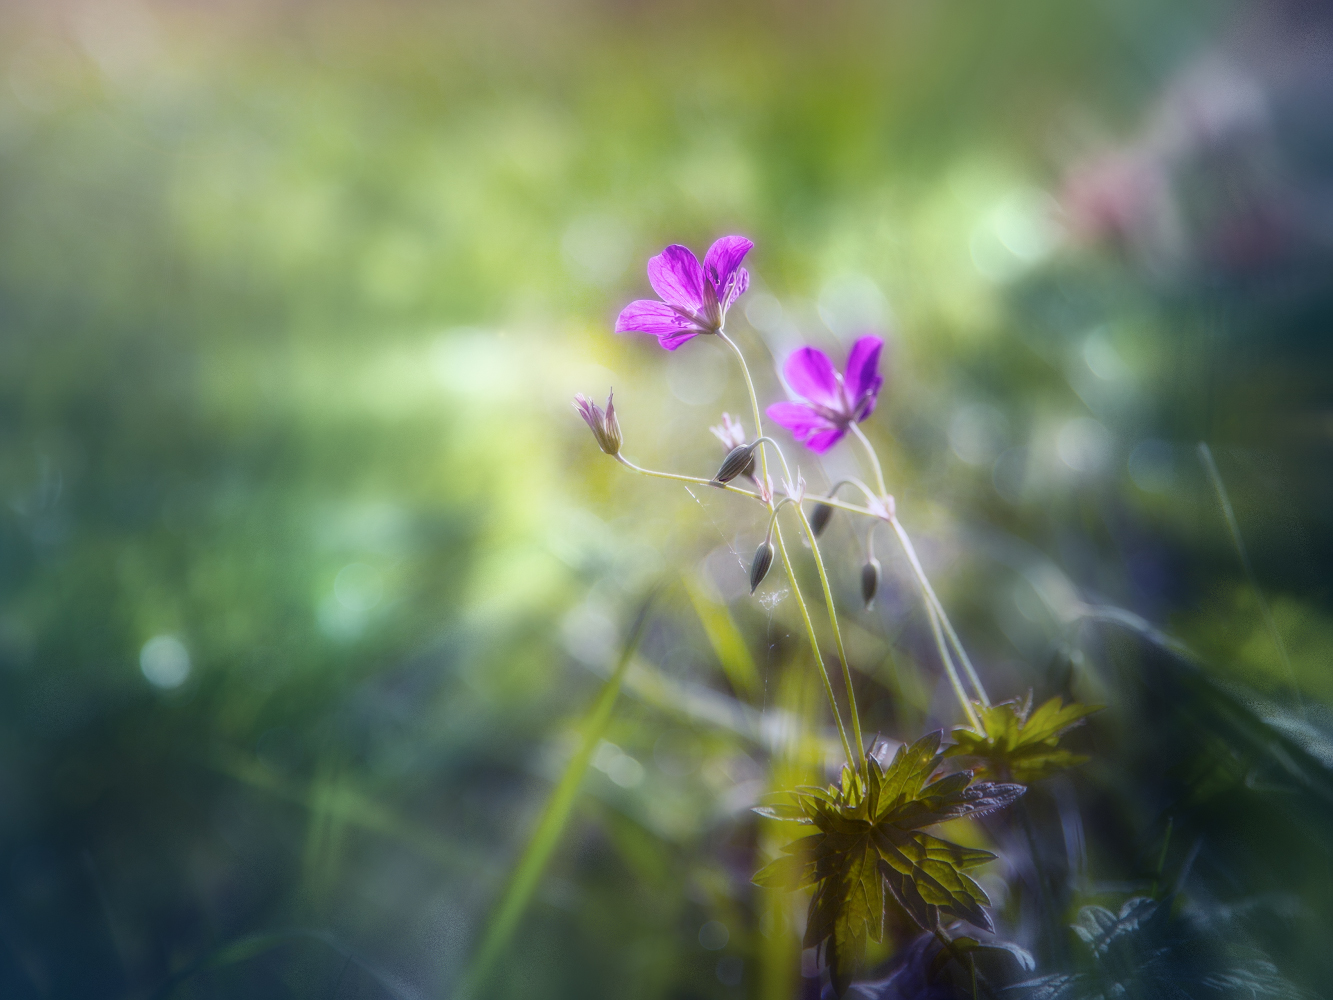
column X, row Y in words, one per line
column 721, row 262
column 676, row 339
column 655, row 318
column 800, row 419
column 738, row 286
column 824, row 440
column 862, row 379
column 810, row 374
column 676, row 276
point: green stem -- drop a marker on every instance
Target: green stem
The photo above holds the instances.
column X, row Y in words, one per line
column 754, row 404
column 787, row 565
column 837, row 635
column 843, row 505
column 929, row 593
column 814, row 642
column 957, row 686
column 677, row 478
column 874, row 458
column 781, row 457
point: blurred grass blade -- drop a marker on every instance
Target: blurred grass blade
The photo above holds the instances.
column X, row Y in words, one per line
column 725, row 638
column 546, row 835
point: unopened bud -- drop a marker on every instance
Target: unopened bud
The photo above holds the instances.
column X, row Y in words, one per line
column 763, row 559
column 870, row 574
column 739, row 462
column 819, row 518
column 603, row 423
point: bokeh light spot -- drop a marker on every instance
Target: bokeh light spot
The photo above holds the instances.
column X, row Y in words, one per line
column 165, row 662
column 714, row 935
column 1083, row 444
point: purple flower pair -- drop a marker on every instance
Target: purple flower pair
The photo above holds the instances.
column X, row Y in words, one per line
column 695, row 299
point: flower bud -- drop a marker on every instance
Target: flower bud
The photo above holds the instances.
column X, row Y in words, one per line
column 763, row 559
column 739, row 461
column 870, row 574
column 603, row 423
column 819, row 518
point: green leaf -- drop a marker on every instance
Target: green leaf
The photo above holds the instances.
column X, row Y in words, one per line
column 1018, row 743
column 787, row 872
column 786, row 812
column 870, row 839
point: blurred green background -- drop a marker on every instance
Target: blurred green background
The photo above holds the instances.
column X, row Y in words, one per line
column 308, row 571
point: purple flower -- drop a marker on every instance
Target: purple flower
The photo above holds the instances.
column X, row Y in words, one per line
column 830, row 403
column 695, row 298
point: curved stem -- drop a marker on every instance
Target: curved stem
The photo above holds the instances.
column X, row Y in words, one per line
column 764, row 438
column 874, row 458
column 773, row 519
column 814, row 642
column 837, row 635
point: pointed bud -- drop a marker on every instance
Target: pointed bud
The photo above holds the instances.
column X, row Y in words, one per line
column 603, row 423
column 870, row 574
column 739, row 461
column 763, row 559
column 819, row 518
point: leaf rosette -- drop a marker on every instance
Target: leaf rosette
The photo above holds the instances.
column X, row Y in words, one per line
column 871, row 837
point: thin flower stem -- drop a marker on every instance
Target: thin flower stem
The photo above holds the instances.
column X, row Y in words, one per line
column 781, row 457
column 843, row 505
column 949, row 668
column 962, row 653
column 814, row 642
column 927, row 591
column 676, row 478
column 932, row 607
column 773, row 518
column 874, row 458
column 791, row 572
column 754, row 400
column 837, row 635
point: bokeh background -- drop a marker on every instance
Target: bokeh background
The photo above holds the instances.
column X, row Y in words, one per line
column 309, row 575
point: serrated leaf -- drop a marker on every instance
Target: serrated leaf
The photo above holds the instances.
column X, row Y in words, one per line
column 909, row 770
column 870, row 839
column 1015, row 742
column 790, row 871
